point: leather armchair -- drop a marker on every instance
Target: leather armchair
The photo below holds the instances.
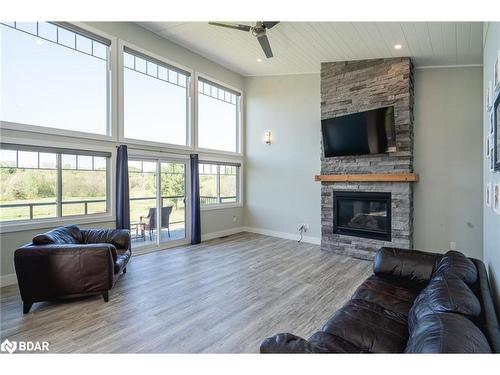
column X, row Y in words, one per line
column 68, row 262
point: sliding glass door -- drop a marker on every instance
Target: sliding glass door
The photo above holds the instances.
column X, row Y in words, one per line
column 173, row 201
column 157, row 202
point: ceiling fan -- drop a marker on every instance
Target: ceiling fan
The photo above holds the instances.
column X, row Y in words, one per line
column 259, row 31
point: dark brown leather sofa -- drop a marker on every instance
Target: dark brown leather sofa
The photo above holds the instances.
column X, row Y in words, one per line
column 68, row 262
column 415, row 302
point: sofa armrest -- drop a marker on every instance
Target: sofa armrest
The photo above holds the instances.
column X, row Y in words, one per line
column 120, row 238
column 286, row 343
column 411, row 267
column 49, row 271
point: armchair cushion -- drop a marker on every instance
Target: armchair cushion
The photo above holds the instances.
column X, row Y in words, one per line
column 69, row 234
column 122, row 260
column 119, row 238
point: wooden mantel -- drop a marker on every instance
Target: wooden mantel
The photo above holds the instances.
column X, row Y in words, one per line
column 371, row 177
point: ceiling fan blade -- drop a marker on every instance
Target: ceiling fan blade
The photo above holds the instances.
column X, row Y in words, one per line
column 231, row 26
column 269, row 24
column 266, row 47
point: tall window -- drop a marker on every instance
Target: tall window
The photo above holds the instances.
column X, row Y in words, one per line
column 155, row 100
column 54, row 75
column 219, row 183
column 48, row 183
column 218, row 117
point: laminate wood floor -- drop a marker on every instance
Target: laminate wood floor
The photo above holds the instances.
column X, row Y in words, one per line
column 222, row 296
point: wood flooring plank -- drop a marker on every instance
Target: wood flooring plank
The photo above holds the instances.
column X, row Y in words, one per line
column 222, row 296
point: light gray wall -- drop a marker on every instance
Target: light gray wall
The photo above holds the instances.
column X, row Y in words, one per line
column 280, row 191
column 213, row 220
column 491, row 220
column 448, row 156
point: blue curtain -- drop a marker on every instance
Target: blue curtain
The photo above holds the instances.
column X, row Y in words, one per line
column 122, row 193
column 195, row 201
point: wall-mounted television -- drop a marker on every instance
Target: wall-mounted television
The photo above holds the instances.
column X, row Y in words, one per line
column 362, row 133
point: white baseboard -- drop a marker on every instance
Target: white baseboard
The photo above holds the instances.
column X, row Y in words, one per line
column 222, row 233
column 9, row 279
column 285, row 235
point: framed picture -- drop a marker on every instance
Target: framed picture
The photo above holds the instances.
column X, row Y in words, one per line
column 496, row 198
column 492, row 122
column 487, row 195
column 492, row 159
column 489, row 96
column 496, row 134
column 488, row 146
column 496, row 79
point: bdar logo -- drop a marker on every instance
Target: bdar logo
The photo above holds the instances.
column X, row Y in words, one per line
column 8, row 346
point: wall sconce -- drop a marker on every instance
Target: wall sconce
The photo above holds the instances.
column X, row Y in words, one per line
column 267, row 138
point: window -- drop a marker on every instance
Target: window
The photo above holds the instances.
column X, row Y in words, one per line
column 54, row 75
column 39, row 183
column 155, row 100
column 219, row 183
column 218, row 117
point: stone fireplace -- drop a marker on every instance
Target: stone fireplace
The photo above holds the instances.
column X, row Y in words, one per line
column 351, row 222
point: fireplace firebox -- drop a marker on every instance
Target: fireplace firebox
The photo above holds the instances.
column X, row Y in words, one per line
column 362, row 214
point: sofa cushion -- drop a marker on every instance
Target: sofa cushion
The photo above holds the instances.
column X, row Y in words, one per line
column 69, row 234
column 369, row 327
column 411, row 268
column 457, row 263
column 324, row 342
column 380, row 291
column 446, row 333
column 445, row 293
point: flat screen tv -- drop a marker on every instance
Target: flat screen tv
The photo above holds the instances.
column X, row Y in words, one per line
column 362, row 133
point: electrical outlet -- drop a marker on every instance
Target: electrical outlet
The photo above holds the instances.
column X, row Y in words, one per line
column 235, row 219
column 453, row 245
column 303, row 227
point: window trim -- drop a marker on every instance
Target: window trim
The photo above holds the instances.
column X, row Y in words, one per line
column 111, row 127
column 34, row 224
column 240, row 125
column 210, row 159
column 122, row 45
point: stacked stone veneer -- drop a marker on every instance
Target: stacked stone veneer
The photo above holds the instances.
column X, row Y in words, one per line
column 355, row 86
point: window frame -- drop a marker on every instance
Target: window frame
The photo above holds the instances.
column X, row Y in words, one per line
column 110, row 102
column 210, row 159
column 239, row 125
column 190, row 125
column 59, row 219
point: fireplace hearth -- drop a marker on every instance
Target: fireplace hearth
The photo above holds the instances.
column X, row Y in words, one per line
column 362, row 214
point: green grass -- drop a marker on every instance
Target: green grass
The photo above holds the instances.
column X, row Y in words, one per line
column 40, row 212
column 137, row 209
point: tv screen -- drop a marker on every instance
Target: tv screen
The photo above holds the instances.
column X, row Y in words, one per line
column 369, row 132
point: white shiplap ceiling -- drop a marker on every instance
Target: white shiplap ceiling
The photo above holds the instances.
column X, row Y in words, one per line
column 300, row 47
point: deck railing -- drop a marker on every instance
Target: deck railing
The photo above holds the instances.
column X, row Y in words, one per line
column 204, row 200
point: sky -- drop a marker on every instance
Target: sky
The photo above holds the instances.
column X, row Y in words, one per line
column 47, row 84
